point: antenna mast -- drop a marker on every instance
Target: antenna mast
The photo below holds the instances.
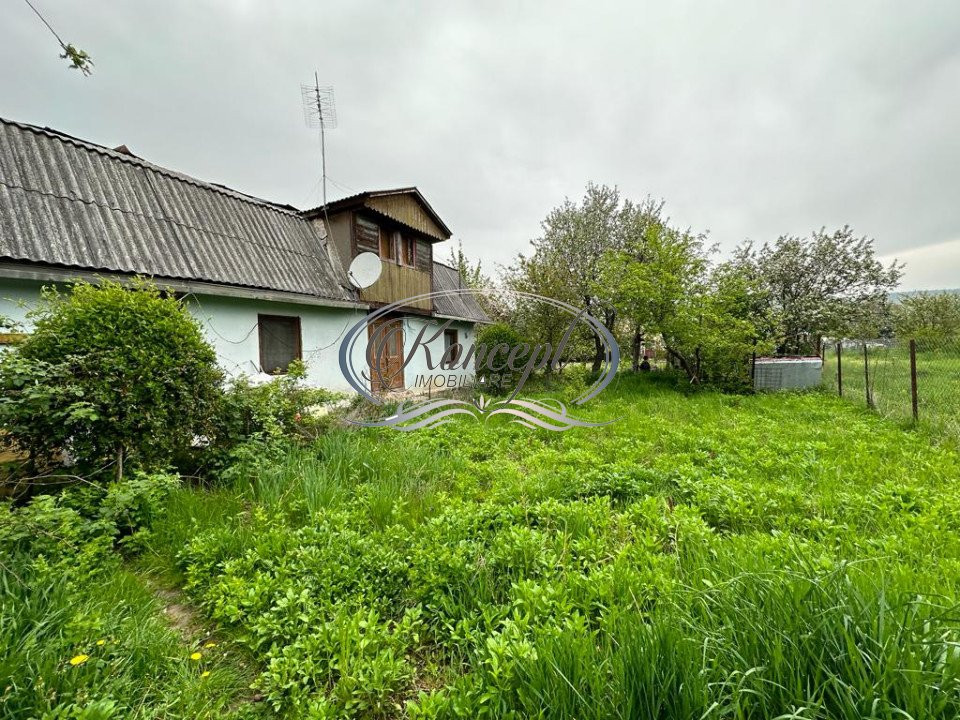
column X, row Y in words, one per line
column 320, row 111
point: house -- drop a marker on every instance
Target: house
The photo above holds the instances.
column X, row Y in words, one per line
column 269, row 284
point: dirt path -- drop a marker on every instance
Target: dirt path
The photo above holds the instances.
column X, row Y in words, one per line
column 189, row 624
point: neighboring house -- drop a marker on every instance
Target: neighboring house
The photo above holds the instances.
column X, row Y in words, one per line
column 264, row 281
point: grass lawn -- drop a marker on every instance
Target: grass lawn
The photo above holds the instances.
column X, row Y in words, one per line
column 705, row 556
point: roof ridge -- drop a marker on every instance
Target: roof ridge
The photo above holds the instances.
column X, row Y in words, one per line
column 365, row 194
column 91, row 146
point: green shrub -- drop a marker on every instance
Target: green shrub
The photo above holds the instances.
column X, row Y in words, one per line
column 490, row 336
column 282, row 407
column 498, row 333
column 111, row 377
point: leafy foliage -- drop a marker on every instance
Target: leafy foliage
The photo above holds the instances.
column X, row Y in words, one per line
column 79, row 59
column 110, row 376
column 81, row 637
column 472, row 273
column 711, row 319
column 928, row 316
column 283, row 407
column 827, row 284
column 567, row 260
column 705, row 551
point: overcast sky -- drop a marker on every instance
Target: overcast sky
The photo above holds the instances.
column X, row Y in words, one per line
column 751, row 119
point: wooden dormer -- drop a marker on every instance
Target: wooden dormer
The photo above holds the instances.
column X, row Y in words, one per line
column 399, row 226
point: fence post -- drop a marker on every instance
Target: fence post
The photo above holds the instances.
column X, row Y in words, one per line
column 839, row 369
column 866, row 375
column 913, row 380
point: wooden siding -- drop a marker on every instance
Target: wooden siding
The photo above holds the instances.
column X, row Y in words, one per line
column 367, row 234
column 397, row 283
column 406, row 209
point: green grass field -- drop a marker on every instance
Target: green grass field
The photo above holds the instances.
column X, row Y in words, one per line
column 705, row 556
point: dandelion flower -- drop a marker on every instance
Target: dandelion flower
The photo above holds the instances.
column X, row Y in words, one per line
column 196, row 656
column 210, row 645
column 79, row 659
column 101, row 643
column 205, row 673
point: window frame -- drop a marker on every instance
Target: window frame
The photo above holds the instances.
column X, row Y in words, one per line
column 390, row 242
column 296, row 322
column 455, row 334
column 408, row 242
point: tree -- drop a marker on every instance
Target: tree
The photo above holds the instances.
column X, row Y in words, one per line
column 542, row 275
column 827, row 284
column 472, row 273
column 492, row 303
column 567, row 258
column 710, row 318
column 928, row 316
column 111, row 376
column 639, row 225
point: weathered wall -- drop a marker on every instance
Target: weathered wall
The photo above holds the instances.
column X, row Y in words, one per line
column 17, row 297
column 399, row 283
column 230, row 325
column 418, row 364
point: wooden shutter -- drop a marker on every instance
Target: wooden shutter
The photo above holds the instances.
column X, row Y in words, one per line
column 368, row 235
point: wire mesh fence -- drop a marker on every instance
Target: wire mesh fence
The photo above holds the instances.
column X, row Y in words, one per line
column 902, row 379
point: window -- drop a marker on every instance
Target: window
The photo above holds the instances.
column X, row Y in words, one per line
column 367, row 234
column 409, row 251
column 388, row 244
column 451, row 339
column 280, row 342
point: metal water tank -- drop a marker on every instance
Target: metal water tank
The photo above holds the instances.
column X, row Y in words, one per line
column 781, row 373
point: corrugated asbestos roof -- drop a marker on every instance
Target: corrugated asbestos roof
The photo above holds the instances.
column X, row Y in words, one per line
column 464, row 305
column 68, row 202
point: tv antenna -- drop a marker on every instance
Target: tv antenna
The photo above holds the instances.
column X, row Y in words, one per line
column 320, row 112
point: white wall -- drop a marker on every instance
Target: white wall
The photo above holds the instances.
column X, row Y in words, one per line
column 412, row 326
column 230, row 325
column 17, row 297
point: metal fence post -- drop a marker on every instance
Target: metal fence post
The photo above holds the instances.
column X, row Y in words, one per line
column 913, row 380
column 866, row 375
column 839, row 369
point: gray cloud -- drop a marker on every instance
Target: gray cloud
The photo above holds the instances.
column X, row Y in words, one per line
column 752, row 119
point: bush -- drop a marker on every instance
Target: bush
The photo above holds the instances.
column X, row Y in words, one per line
column 111, row 376
column 490, row 336
column 498, row 333
column 283, row 407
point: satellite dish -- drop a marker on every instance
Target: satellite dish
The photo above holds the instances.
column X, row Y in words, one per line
column 365, row 270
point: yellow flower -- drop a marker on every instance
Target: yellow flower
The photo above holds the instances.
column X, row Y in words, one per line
column 210, row 645
column 196, row 656
column 101, row 643
column 79, row 659
column 205, row 673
